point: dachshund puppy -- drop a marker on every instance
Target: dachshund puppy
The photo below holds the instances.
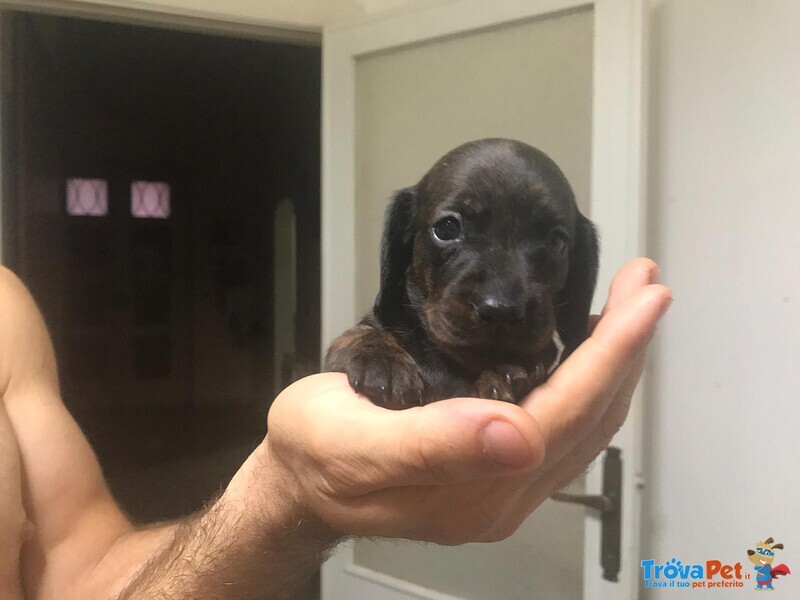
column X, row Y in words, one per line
column 487, row 274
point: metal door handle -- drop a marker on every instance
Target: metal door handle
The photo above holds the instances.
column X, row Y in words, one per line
column 609, row 503
column 597, row 502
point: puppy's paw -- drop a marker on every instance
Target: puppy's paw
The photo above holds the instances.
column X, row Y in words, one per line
column 537, row 376
column 508, row 383
column 389, row 379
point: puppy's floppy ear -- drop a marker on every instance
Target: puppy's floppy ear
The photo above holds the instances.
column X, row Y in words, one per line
column 575, row 298
column 396, row 250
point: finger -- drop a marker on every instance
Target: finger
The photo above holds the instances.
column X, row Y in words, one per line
column 593, row 321
column 633, row 275
column 457, row 440
column 553, row 478
column 357, row 447
column 575, row 398
column 452, row 441
column 498, row 510
column 555, row 475
column 610, row 423
column 476, row 511
column 422, row 513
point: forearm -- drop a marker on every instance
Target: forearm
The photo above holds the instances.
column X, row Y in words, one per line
column 252, row 543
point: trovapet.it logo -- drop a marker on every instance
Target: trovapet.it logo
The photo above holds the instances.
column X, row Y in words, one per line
column 715, row 573
column 762, row 557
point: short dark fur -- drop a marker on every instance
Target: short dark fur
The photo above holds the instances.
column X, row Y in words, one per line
column 474, row 315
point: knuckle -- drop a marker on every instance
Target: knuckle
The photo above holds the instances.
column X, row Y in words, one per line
column 590, row 420
column 453, row 533
column 614, row 419
column 337, row 477
column 333, row 471
column 569, row 474
column 611, row 426
column 447, row 537
column 486, row 520
column 598, row 450
column 503, row 531
column 580, row 428
column 420, row 455
column 482, row 521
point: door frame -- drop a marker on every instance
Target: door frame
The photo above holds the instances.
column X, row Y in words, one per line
column 618, row 208
column 182, row 18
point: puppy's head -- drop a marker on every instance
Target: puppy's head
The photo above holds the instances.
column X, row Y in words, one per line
column 490, row 252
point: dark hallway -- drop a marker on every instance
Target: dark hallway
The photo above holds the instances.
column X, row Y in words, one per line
column 143, row 170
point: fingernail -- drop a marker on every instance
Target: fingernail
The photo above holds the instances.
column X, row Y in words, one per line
column 653, row 274
column 504, row 444
column 664, row 307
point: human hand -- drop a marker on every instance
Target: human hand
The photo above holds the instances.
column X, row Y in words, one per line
column 465, row 469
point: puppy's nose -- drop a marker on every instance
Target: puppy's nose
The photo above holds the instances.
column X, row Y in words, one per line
column 496, row 311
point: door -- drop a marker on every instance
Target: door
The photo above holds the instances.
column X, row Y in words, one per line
column 398, row 93
column 125, row 294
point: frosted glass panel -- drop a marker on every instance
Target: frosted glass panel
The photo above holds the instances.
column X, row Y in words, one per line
column 87, row 197
column 150, row 199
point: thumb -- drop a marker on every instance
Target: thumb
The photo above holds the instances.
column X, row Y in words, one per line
column 454, row 441
column 358, row 447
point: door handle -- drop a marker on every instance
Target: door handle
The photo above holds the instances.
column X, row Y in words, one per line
column 597, row 502
column 609, row 503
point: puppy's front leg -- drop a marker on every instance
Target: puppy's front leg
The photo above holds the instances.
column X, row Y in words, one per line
column 377, row 366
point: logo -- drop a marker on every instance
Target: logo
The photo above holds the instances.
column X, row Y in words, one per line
column 762, row 558
column 714, row 573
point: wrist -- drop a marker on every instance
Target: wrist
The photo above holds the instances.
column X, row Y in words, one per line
column 268, row 498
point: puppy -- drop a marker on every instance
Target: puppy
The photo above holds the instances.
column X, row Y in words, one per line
column 487, row 273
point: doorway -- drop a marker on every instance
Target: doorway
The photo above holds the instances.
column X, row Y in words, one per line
column 143, row 171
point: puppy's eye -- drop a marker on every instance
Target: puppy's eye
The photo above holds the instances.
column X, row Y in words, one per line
column 557, row 241
column 447, row 228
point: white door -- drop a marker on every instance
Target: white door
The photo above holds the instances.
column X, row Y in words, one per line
column 398, row 92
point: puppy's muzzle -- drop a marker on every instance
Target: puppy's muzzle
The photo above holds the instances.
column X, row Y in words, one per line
column 501, row 305
column 494, row 310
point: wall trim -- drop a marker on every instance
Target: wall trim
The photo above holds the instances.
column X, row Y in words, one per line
column 145, row 14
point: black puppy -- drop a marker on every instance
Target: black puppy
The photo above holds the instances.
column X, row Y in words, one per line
column 487, row 274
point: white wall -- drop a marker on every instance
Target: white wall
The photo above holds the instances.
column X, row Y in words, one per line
column 724, row 173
